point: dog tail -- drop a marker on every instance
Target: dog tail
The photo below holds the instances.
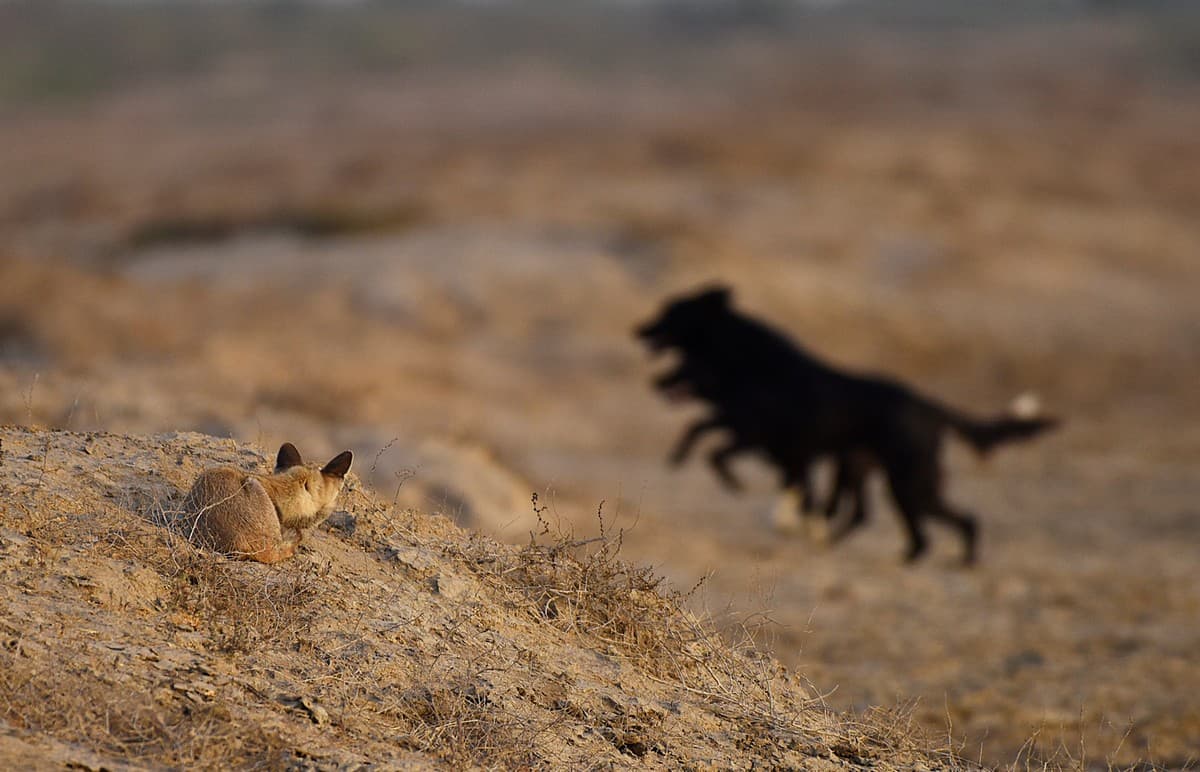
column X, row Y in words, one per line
column 1021, row 422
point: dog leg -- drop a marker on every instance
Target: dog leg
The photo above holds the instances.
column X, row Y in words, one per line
column 816, row 526
column 798, row 483
column 966, row 525
column 917, row 544
column 675, row 378
column 687, row 441
column 849, row 486
column 858, row 516
column 719, row 461
column 906, row 492
column 808, row 481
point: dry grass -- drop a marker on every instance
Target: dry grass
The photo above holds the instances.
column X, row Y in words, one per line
column 584, row 587
column 77, row 704
column 454, row 720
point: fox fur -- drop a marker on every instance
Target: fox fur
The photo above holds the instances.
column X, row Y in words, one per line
column 263, row 517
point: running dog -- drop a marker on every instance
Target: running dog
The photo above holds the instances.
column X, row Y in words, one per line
column 738, row 409
column 773, row 396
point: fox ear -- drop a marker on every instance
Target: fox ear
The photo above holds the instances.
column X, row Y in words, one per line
column 339, row 465
column 288, row 457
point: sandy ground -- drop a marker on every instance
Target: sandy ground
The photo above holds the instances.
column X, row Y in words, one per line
column 393, row 640
column 443, row 275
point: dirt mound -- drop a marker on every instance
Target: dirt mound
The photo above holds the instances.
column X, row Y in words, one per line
column 394, row 639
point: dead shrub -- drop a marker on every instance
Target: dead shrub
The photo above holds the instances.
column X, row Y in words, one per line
column 457, row 721
column 240, row 605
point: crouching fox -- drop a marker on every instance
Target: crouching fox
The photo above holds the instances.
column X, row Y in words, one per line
column 263, row 516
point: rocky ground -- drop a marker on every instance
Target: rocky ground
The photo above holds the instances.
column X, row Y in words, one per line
column 395, row 640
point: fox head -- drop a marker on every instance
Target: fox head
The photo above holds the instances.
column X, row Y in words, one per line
column 305, row 494
column 686, row 320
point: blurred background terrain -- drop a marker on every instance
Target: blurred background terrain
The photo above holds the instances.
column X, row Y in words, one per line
column 425, row 231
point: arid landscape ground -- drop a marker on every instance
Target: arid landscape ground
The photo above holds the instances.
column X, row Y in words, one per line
column 398, row 239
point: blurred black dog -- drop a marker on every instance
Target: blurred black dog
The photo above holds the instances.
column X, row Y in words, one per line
column 773, row 397
column 739, row 408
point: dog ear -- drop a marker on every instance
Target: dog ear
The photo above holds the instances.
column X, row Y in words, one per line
column 288, row 457
column 718, row 295
column 339, row 465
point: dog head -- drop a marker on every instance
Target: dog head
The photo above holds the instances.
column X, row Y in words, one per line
column 685, row 322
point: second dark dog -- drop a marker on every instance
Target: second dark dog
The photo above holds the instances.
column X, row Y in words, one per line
column 775, row 397
column 739, row 414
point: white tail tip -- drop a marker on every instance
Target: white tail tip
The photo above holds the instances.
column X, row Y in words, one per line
column 1026, row 405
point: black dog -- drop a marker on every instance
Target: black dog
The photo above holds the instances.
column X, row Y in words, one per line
column 739, row 409
column 776, row 398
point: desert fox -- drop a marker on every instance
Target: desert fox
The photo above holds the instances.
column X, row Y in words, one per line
column 263, row 516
